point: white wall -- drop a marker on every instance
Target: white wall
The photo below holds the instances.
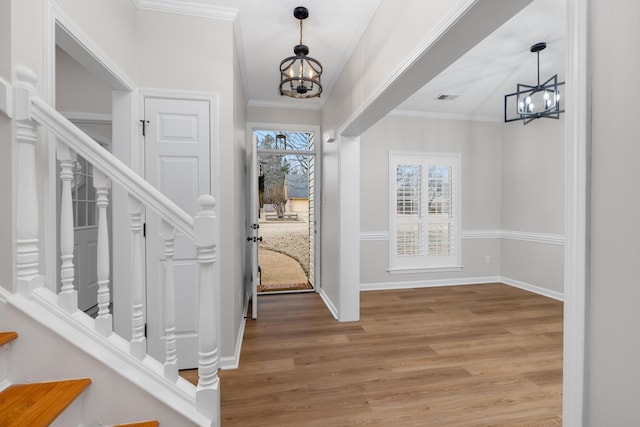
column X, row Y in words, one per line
column 234, row 294
column 533, row 202
column 292, row 116
column 533, row 176
column 7, row 217
column 397, row 54
column 197, row 54
column 111, row 24
column 512, row 181
column 613, row 348
column 386, row 43
column 140, row 44
column 373, row 62
column 479, row 144
column 77, row 90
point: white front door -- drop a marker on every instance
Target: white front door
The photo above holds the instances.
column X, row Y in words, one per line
column 177, row 162
column 253, row 227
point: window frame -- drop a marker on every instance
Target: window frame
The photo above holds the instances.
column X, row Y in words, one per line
column 425, row 262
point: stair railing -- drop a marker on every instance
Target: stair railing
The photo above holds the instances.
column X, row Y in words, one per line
column 32, row 111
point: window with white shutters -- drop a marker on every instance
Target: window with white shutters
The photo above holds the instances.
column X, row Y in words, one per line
column 424, row 214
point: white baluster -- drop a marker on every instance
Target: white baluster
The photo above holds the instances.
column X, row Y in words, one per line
column 138, row 339
column 104, row 324
column 170, row 361
column 205, row 231
column 68, row 296
column 27, row 220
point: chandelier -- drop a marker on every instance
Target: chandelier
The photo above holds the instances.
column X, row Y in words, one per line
column 533, row 102
column 300, row 74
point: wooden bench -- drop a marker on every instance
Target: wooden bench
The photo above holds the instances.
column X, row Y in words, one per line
column 273, row 216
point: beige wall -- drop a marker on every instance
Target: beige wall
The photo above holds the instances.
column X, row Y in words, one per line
column 613, row 347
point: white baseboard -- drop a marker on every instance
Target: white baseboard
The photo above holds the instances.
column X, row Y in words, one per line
column 232, row 362
column 533, row 288
column 327, row 301
column 364, row 287
column 383, row 286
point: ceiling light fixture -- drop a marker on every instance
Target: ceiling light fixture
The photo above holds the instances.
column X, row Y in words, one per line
column 300, row 74
column 534, row 102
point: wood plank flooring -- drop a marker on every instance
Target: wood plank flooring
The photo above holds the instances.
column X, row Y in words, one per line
column 475, row 355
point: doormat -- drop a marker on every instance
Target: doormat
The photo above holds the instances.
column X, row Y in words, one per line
column 276, row 287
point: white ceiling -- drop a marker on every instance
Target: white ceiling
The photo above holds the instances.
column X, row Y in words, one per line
column 266, row 32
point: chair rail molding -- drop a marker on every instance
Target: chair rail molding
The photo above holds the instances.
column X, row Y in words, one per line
column 525, row 236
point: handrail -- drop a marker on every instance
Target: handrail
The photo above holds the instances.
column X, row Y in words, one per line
column 111, row 166
column 32, row 111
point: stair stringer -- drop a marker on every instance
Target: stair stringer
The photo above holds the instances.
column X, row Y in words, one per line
column 54, row 345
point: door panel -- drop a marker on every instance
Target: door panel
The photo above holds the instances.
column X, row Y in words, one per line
column 86, row 259
column 177, row 163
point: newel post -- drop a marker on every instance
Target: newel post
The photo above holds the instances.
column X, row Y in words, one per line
column 205, row 232
column 27, row 215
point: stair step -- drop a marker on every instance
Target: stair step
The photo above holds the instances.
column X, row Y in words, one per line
column 6, row 337
column 152, row 423
column 38, row 404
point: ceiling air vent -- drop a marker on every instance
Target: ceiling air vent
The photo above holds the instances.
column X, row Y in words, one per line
column 445, row 97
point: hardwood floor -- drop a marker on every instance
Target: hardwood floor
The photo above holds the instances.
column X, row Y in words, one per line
column 475, row 355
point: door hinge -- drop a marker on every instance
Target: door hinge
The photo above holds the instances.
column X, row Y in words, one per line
column 144, row 229
column 145, row 330
column 144, row 126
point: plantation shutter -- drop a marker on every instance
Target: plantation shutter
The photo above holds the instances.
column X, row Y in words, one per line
column 424, row 211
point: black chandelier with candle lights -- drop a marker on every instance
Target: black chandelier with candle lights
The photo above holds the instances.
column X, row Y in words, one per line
column 300, row 74
column 533, row 102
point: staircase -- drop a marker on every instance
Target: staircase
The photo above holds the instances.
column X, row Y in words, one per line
column 68, row 369
column 39, row 404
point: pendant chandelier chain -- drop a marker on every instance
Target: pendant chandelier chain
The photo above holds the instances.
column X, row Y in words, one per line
column 301, row 31
column 538, row 52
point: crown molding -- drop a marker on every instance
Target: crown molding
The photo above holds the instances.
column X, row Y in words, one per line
column 188, row 9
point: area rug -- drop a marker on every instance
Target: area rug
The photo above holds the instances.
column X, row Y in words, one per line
column 279, row 287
